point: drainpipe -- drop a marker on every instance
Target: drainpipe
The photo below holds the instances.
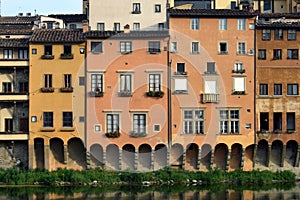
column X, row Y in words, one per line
column 85, row 107
column 169, row 67
column 254, row 126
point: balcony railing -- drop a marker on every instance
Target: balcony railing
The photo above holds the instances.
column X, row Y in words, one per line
column 238, row 71
column 210, row 98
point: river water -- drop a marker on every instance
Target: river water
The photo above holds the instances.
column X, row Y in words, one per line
column 177, row 192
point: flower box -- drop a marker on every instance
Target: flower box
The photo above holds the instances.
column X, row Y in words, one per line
column 158, row 94
column 113, row 134
column 96, row 94
column 239, row 71
column 66, row 56
column 66, row 89
column 124, row 94
column 47, row 57
column 47, row 89
column 180, row 73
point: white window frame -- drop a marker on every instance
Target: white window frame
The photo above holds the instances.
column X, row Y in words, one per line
column 237, row 86
column 101, row 26
column 180, row 85
column 157, row 81
column 97, row 83
column 126, row 85
column 136, row 26
column 195, row 23
column 228, row 123
column 125, row 47
column 7, row 53
column 222, row 24
column 195, row 47
column 241, row 46
column 136, row 128
column 117, row 26
column 194, row 123
column 173, row 47
column 223, row 52
column 112, row 127
column 241, row 25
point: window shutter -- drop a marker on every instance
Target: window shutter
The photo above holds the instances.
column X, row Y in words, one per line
column 180, row 84
column 239, row 83
column 210, row 87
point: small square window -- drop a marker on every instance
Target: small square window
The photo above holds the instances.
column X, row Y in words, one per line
column 156, row 127
column 81, row 81
column 81, row 119
column 33, row 119
column 157, row 8
column 34, row 51
column 97, row 128
column 82, row 50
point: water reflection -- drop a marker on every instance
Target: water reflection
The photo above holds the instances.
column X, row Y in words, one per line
column 175, row 192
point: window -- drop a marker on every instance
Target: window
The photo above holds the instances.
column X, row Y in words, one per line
column 277, row 89
column 210, row 87
column 67, row 80
column 161, row 26
column 292, row 89
column 267, row 5
column 232, row 5
column 136, row 8
column 117, row 26
column 125, row 84
column 210, row 68
column 81, row 81
column 6, row 87
column 154, row 82
column 223, row 24
column 136, row 26
column 97, row 128
column 34, row 51
column 67, row 119
column 180, row 68
column 293, row 54
column 223, row 48
column 229, row 121
column 278, row 34
column 154, row 47
column 23, row 87
column 7, row 53
column 292, row 34
column 195, row 48
column 238, row 68
column 48, row 80
column 23, row 54
column 73, row 26
column 125, row 47
column 180, row 85
column 100, row 26
column 67, row 49
column 266, row 34
column 195, row 24
column 157, row 8
column 263, row 89
column 242, row 48
column 96, row 47
column 97, row 82
column 277, row 121
column 290, row 121
column 48, row 50
column 264, row 121
column 173, row 47
column 262, row 54
column 48, row 119
column 277, row 54
column 139, row 123
column 241, row 24
column 193, row 121
column 49, row 25
column 112, row 122
column 238, row 85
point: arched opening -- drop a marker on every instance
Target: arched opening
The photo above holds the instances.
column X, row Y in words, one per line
column 57, row 151
column 276, row 152
column 291, row 152
column 76, row 154
column 191, row 156
column 144, row 157
column 236, row 156
column 96, row 152
column 176, row 155
column 220, row 156
column 160, row 156
column 205, row 161
column 39, row 153
column 112, row 156
column 128, row 155
column 262, row 153
column 248, row 157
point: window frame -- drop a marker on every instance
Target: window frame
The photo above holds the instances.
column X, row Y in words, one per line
column 157, row 8
column 152, row 47
column 100, row 26
column 123, row 87
column 48, row 119
column 262, row 54
column 138, row 127
column 136, row 8
column 96, row 47
column 195, row 47
column 263, row 89
column 241, row 46
column 117, row 26
column 155, row 82
column 96, row 82
column 193, row 124
column 67, row 119
column 266, row 34
column 293, row 54
column 292, row 34
column 7, row 87
column 222, row 24
column 278, row 34
column 48, row 49
column 113, row 124
column 136, row 26
column 8, row 53
column 48, row 80
column 173, row 47
column 292, row 89
column 241, row 24
column 67, row 81
column 277, row 54
column 229, row 124
column 277, row 89
column 125, row 47
column 221, row 43
column 195, row 23
column 23, row 53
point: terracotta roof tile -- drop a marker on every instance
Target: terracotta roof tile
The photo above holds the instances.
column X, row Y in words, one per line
column 18, row 20
column 210, row 13
column 57, row 36
column 69, row 17
column 24, row 42
column 16, row 29
column 131, row 34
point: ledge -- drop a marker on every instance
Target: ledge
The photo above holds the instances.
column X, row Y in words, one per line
column 47, row 90
column 66, row 89
column 47, row 129
column 95, row 94
column 67, row 129
column 66, row 56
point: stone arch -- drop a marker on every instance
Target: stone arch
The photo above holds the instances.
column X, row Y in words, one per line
column 160, row 156
column 39, row 152
column 262, row 153
column 112, row 156
column 144, row 159
column 176, row 155
column 76, row 154
column 206, row 151
column 57, row 151
column 248, row 157
column 291, row 152
column 220, row 156
column 236, row 156
column 128, row 157
column 276, row 152
column 96, row 152
column 192, row 151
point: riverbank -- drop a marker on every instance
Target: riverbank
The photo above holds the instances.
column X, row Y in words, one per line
column 167, row 176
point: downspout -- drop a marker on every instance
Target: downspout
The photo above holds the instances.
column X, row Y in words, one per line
column 85, row 104
column 255, row 115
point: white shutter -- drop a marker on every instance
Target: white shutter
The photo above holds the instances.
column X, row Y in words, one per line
column 180, row 84
column 239, row 83
column 210, row 87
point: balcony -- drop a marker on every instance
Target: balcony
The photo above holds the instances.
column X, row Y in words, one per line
column 124, row 93
column 47, row 57
column 238, row 71
column 180, row 73
column 13, row 96
column 210, row 98
column 14, row 62
column 158, row 94
column 47, row 89
column 14, row 135
column 66, row 89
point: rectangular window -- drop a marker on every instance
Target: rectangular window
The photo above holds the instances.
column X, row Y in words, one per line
column 277, row 121
column 277, row 54
column 210, row 68
column 96, row 47
column 81, row 81
column 277, row 89
column 125, row 84
column 278, row 34
column 264, row 121
column 100, row 26
column 292, row 34
column 290, row 121
column 292, row 89
column 117, row 26
column 229, row 121
column 67, row 80
column 73, row 26
column 232, row 5
column 67, row 49
column 242, row 48
column 210, row 87
column 194, row 23
column 154, row 82
column 139, row 123
column 48, row 80
column 223, row 48
column 262, row 54
column 239, row 85
column 193, row 122
column 180, row 85
column 48, row 50
column 173, row 47
column 136, row 8
column 136, row 26
column 23, row 87
column 263, row 89
column 241, row 24
column 293, row 54
column 47, row 119
column 157, row 8
column 195, row 48
column 23, row 53
column 266, row 34
column 161, row 26
column 112, row 122
column 6, row 87
column 97, row 82
column 223, row 24
column 154, row 47
column 238, row 68
column 125, row 47
column 7, row 53
column 180, row 68
column 49, row 25
column 67, row 119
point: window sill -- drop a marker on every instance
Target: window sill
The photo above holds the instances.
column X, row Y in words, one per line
column 150, row 52
column 157, row 94
column 229, row 133
column 136, row 12
column 66, row 89
column 124, row 94
column 239, row 93
column 125, row 53
column 47, row 57
column 194, row 134
column 47, row 90
column 47, row 129
column 239, row 71
column 96, row 94
column 138, row 135
column 180, row 92
column 180, row 73
column 66, row 56
column 67, row 129
column 292, row 95
column 223, row 53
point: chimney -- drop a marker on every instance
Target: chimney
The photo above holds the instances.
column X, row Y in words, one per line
column 20, row 14
column 85, row 26
column 28, row 14
column 127, row 28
